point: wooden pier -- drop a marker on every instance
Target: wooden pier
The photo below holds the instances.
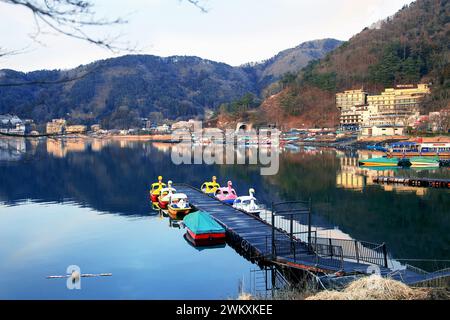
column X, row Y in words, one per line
column 414, row 182
column 286, row 243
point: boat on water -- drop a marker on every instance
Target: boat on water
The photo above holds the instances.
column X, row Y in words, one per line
column 227, row 194
column 203, row 230
column 424, row 162
column 248, row 204
column 179, row 205
column 412, row 149
column 380, row 162
column 165, row 195
column 210, row 187
column 156, row 189
column 377, row 148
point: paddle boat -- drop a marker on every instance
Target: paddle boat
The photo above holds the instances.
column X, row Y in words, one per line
column 156, row 189
column 166, row 194
column 248, row 204
column 203, row 230
column 211, row 186
column 179, row 205
column 380, row 162
column 424, row 162
column 227, row 194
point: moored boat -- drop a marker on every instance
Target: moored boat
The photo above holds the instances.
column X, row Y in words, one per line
column 424, row 162
column 380, row 162
column 179, row 205
column 211, row 186
column 203, row 229
column 248, row 204
column 413, row 149
column 227, row 194
column 165, row 195
column 156, row 189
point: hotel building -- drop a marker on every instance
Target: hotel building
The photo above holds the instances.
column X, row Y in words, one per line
column 351, row 104
column 386, row 114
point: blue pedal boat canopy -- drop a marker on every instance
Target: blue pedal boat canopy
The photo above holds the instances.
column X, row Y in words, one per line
column 201, row 222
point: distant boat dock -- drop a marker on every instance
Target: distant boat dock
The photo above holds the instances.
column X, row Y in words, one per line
column 414, row 182
column 286, row 243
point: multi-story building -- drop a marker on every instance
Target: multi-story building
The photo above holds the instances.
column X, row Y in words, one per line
column 351, row 104
column 96, row 128
column 76, row 129
column 393, row 110
column 57, row 126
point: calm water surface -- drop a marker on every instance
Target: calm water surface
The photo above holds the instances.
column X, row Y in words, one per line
column 86, row 203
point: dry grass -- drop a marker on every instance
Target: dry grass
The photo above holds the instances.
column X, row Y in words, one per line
column 375, row 288
column 367, row 288
column 245, row 296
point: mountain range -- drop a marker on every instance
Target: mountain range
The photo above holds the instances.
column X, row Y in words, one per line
column 295, row 88
column 118, row 91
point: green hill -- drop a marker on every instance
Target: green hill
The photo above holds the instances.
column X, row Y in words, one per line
column 410, row 47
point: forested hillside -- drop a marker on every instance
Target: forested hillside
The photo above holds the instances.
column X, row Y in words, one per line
column 410, row 47
column 117, row 92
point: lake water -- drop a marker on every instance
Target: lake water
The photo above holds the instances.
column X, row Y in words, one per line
column 86, row 203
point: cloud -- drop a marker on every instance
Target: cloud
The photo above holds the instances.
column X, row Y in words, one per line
column 234, row 31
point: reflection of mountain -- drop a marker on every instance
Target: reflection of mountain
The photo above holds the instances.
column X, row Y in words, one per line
column 115, row 177
column 412, row 226
column 108, row 176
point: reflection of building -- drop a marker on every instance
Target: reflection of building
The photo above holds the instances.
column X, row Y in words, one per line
column 348, row 177
column 352, row 176
column 349, row 180
column 60, row 147
column 12, row 149
column 401, row 188
column 98, row 144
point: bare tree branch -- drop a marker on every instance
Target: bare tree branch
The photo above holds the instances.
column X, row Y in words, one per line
column 198, row 4
column 69, row 17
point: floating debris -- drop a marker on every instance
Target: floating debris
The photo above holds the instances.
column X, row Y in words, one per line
column 76, row 276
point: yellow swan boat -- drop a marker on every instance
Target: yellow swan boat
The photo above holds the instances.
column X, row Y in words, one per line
column 156, row 189
column 211, row 186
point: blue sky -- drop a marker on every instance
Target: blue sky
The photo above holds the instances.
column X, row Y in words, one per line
column 233, row 31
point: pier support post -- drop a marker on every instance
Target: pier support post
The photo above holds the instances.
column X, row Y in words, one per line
column 357, row 251
column 309, row 222
column 273, row 233
column 385, row 256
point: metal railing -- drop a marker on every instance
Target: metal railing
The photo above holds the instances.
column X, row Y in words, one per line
column 292, row 236
column 287, row 217
column 359, row 251
column 298, row 251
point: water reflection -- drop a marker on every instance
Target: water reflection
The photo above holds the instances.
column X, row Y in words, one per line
column 12, row 149
column 354, row 177
column 114, row 176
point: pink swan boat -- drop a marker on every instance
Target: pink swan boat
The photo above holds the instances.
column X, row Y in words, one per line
column 227, row 194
